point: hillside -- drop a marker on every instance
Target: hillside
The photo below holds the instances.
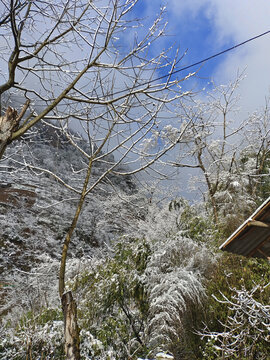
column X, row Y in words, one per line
column 37, row 210
column 143, row 273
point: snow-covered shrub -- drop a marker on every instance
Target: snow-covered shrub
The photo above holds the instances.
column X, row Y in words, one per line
column 35, row 337
column 246, row 332
column 41, row 337
column 136, row 302
column 231, row 272
column 113, row 302
column 175, row 273
column 174, row 280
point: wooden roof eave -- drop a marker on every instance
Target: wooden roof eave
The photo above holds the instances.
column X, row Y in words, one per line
column 251, row 221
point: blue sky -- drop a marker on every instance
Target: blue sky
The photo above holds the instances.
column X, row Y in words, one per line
column 205, row 27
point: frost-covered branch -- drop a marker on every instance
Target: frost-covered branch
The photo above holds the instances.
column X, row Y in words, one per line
column 247, row 325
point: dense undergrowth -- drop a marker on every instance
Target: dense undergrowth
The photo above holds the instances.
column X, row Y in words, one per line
column 147, row 277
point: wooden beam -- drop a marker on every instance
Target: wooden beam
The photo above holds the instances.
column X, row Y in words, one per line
column 258, row 247
column 259, row 224
column 264, row 254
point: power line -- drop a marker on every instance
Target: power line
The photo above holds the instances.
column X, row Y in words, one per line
column 197, row 63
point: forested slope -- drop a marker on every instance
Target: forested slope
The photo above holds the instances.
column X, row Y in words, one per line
column 143, row 273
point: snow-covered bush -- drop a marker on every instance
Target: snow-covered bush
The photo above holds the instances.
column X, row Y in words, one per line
column 246, row 332
column 174, row 276
column 35, row 337
column 136, row 302
column 113, row 303
column 41, row 337
column 174, row 280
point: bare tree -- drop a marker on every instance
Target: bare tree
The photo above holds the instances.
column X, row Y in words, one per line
column 209, row 145
column 71, row 62
column 228, row 151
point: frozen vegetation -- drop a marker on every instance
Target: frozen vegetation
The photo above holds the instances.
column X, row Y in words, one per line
column 116, row 225
column 93, row 263
column 140, row 271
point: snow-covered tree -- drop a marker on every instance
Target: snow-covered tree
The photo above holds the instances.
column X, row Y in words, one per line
column 231, row 154
column 71, row 62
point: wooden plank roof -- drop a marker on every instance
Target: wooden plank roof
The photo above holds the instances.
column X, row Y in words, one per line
column 252, row 238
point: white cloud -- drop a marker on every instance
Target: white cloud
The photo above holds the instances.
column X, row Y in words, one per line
column 231, row 22
column 233, row 19
column 239, row 19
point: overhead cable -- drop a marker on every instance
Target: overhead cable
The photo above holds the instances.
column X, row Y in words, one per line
column 196, row 63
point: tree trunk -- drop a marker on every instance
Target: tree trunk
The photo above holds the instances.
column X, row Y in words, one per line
column 71, row 330
column 8, row 123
